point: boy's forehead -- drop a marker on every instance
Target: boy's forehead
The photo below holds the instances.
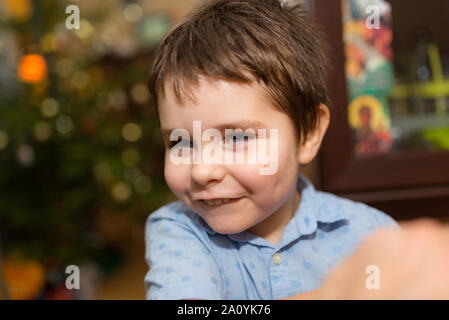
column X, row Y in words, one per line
column 191, row 92
column 215, row 103
column 209, row 92
column 181, row 92
column 188, row 85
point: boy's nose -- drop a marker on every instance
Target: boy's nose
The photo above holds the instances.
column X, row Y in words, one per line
column 204, row 173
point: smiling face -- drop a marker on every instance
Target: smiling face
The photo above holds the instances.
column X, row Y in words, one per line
column 234, row 197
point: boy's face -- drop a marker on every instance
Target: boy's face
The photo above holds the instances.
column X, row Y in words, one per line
column 245, row 197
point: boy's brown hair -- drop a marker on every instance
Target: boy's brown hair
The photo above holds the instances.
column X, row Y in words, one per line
column 267, row 41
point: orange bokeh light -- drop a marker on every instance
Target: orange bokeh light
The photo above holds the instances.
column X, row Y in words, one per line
column 32, row 69
column 24, row 278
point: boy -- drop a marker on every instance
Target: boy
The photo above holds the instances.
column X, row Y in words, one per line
column 258, row 66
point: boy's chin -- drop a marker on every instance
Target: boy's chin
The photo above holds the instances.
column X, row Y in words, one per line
column 224, row 229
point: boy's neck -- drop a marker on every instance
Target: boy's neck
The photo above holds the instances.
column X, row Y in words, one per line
column 271, row 228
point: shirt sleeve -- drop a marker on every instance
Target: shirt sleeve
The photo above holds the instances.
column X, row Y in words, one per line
column 380, row 219
column 180, row 265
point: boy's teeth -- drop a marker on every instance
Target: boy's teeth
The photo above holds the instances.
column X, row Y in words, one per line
column 216, row 201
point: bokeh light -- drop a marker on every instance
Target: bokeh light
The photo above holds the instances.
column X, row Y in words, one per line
column 32, row 69
column 49, row 107
column 131, row 132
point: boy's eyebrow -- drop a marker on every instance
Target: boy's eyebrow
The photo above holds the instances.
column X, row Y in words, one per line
column 241, row 124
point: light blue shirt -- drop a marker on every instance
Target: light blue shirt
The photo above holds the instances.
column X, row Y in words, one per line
column 188, row 260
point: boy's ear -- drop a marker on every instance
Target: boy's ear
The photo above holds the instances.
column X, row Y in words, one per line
column 310, row 145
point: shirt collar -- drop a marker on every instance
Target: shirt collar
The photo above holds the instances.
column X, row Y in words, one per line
column 306, row 217
column 310, row 211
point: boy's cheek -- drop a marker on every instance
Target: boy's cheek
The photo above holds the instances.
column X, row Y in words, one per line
column 177, row 177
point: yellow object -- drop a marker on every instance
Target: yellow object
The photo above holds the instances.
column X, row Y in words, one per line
column 32, row 69
column 435, row 62
column 437, row 88
column 48, row 43
column 426, row 89
column 437, row 71
column 365, row 101
column 17, row 9
column 24, row 278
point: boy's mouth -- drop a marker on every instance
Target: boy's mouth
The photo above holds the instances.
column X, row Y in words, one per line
column 218, row 202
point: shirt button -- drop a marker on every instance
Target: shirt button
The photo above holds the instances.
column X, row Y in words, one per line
column 277, row 258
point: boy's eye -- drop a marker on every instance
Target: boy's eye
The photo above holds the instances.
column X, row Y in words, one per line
column 237, row 141
column 238, row 137
column 181, row 143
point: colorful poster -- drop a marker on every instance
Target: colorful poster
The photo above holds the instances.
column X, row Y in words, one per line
column 367, row 39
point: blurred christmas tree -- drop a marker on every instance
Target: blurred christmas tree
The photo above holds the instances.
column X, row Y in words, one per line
column 79, row 143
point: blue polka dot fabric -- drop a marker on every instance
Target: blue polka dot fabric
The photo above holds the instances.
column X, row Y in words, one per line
column 189, row 260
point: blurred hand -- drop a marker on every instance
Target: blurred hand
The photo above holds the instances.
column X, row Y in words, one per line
column 412, row 264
